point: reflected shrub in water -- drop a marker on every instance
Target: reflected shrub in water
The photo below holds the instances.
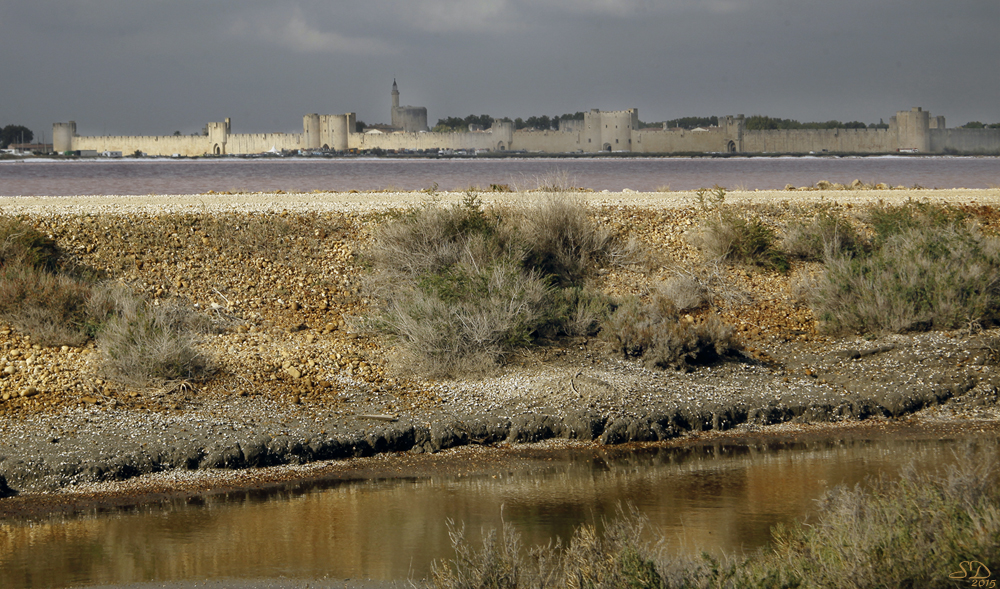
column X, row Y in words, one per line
column 618, row 558
column 911, row 532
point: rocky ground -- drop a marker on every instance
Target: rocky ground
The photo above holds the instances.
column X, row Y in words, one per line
column 281, row 276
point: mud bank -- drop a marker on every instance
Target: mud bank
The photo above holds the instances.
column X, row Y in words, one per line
column 610, row 403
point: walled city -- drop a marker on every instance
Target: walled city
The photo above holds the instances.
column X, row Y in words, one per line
column 912, row 131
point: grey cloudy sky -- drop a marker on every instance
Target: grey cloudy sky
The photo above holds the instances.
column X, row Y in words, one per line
column 155, row 66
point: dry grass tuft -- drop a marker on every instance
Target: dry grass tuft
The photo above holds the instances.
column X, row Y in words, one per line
column 145, row 345
column 618, row 558
column 462, row 286
column 656, row 333
column 932, row 277
column 824, row 235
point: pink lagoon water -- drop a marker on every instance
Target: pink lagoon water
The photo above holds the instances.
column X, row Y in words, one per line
column 163, row 176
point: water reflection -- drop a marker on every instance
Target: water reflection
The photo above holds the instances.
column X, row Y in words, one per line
column 717, row 498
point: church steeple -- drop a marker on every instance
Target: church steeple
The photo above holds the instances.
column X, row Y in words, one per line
column 395, row 94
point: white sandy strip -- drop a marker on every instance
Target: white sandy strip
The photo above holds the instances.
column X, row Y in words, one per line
column 365, row 201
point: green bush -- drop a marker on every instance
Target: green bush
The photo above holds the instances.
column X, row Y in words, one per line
column 921, row 278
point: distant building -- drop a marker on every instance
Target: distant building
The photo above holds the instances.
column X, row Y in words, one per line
column 27, row 148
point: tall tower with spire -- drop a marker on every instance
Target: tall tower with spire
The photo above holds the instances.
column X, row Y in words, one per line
column 407, row 118
column 394, row 112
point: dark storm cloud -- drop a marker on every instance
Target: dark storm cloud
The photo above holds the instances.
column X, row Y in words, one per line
column 155, row 67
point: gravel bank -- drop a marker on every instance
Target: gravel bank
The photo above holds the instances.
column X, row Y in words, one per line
column 295, row 385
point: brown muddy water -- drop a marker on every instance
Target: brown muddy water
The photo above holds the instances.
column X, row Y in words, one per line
column 721, row 497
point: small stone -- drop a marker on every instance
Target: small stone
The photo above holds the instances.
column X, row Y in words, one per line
column 293, row 372
column 10, row 369
column 29, row 392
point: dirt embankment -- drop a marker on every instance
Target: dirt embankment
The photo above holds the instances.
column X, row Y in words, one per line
column 281, row 278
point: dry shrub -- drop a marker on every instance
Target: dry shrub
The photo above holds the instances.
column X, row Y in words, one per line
column 462, row 286
column 939, row 277
column 825, row 234
column 887, row 221
column 52, row 308
column 434, row 238
column 576, row 311
column 731, row 237
column 617, row 559
column 556, row 180
column 564, row 242
column 656, row 333
column 464, row 326
column 685, row 292
column 144, row 345
column 911, row 532
column 23, row 245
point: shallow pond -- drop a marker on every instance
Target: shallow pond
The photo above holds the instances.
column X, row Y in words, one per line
column 717, row 497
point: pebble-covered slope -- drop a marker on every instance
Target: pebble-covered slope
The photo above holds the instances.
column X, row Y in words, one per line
column 281, row 277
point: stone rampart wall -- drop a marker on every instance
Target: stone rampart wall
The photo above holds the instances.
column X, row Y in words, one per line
column 548, row 141
column 965, row 140
column 187, row 145
column 806, row 140
column 261, row 142
column 652, row 140
column 428, row 140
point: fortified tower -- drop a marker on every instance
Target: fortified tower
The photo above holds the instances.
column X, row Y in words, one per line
column 311, row 131
column 407, row 118
column 62, row 136
column 609, row 130
column 912, row 128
